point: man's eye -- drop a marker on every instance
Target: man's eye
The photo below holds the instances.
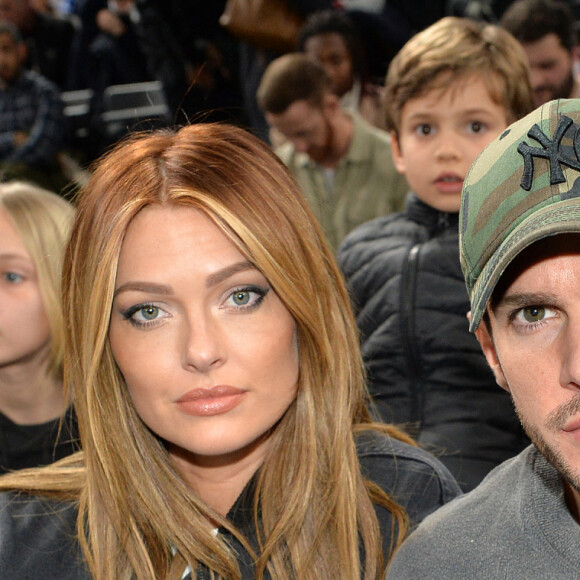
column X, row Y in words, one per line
column 530, row 316
column 533, row 313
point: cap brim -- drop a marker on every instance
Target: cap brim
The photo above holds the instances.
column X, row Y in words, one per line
column 562, row 217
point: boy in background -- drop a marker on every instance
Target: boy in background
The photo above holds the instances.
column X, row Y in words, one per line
column 450, row 91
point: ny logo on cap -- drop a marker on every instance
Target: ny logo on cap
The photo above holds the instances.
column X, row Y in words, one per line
column 551, row 150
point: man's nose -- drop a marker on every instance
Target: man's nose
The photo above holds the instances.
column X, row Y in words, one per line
column 570, row 349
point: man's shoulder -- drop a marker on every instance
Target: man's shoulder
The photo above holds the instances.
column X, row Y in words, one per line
column 34, row 81
column 482, row 528
column 362, row 125
column 290, row 157
column 496, row 489
column 366, row 136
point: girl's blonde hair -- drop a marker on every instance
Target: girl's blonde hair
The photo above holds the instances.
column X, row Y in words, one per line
column 43, row 220
column 137, row 518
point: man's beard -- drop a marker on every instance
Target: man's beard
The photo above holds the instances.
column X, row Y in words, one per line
column 554, row 422
column 324, row 152
column 562, row 91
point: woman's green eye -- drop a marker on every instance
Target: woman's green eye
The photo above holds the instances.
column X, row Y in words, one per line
column 534, row 313
column 241, row 298
column 150, row 312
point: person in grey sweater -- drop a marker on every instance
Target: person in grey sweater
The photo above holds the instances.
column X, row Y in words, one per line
column 516, row 524
column 520, row 255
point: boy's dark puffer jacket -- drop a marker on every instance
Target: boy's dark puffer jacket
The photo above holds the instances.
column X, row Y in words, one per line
column 426, row 370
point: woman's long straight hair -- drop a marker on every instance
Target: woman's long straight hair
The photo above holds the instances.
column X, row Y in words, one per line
column 137, row 518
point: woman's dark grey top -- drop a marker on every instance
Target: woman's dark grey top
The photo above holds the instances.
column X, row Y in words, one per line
column 37, row 536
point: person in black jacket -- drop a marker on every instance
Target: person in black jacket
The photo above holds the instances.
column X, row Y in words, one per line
column 218, row 384
column 450, row 91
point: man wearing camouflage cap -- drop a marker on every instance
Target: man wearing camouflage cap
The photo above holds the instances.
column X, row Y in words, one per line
column 520, row 254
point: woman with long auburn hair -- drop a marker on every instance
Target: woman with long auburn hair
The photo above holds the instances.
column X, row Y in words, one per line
column 218, row 384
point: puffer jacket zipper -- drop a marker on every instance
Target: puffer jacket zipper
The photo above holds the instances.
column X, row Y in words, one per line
column 408, row 297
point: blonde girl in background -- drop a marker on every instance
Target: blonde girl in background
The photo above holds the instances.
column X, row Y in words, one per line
column 34, row 226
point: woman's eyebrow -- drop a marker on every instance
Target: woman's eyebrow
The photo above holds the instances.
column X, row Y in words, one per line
column 164, row 289
column 223, row 274
column 137, row 286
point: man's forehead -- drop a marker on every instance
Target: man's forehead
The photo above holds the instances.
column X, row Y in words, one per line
column 517, row 276
column 299, row 116
column 330, row 42
column 550, row 41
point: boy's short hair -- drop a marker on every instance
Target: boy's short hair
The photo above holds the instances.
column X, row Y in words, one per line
column 531, row 20
column 451, row 50
column 290, row 78
column 523, row 187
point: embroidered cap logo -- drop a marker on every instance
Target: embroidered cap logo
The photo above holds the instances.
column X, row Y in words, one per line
column 511, row 200
column 552, row 150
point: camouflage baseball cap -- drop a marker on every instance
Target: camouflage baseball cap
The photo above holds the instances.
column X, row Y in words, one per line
column 523, row 187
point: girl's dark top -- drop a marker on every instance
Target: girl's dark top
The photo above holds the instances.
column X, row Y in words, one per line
column 35, row 445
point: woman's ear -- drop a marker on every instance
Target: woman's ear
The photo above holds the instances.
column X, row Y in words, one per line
column 487, row 345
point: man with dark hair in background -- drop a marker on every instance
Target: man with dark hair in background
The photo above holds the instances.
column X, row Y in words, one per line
column 546, row 30
column 343, row 164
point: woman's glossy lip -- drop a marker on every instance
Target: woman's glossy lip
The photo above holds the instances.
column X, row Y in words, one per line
column 213, row 401
column 210, row 393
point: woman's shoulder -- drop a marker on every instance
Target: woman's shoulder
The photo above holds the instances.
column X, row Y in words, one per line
column 414, row 478
column 19, row 504
column 38, row 536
